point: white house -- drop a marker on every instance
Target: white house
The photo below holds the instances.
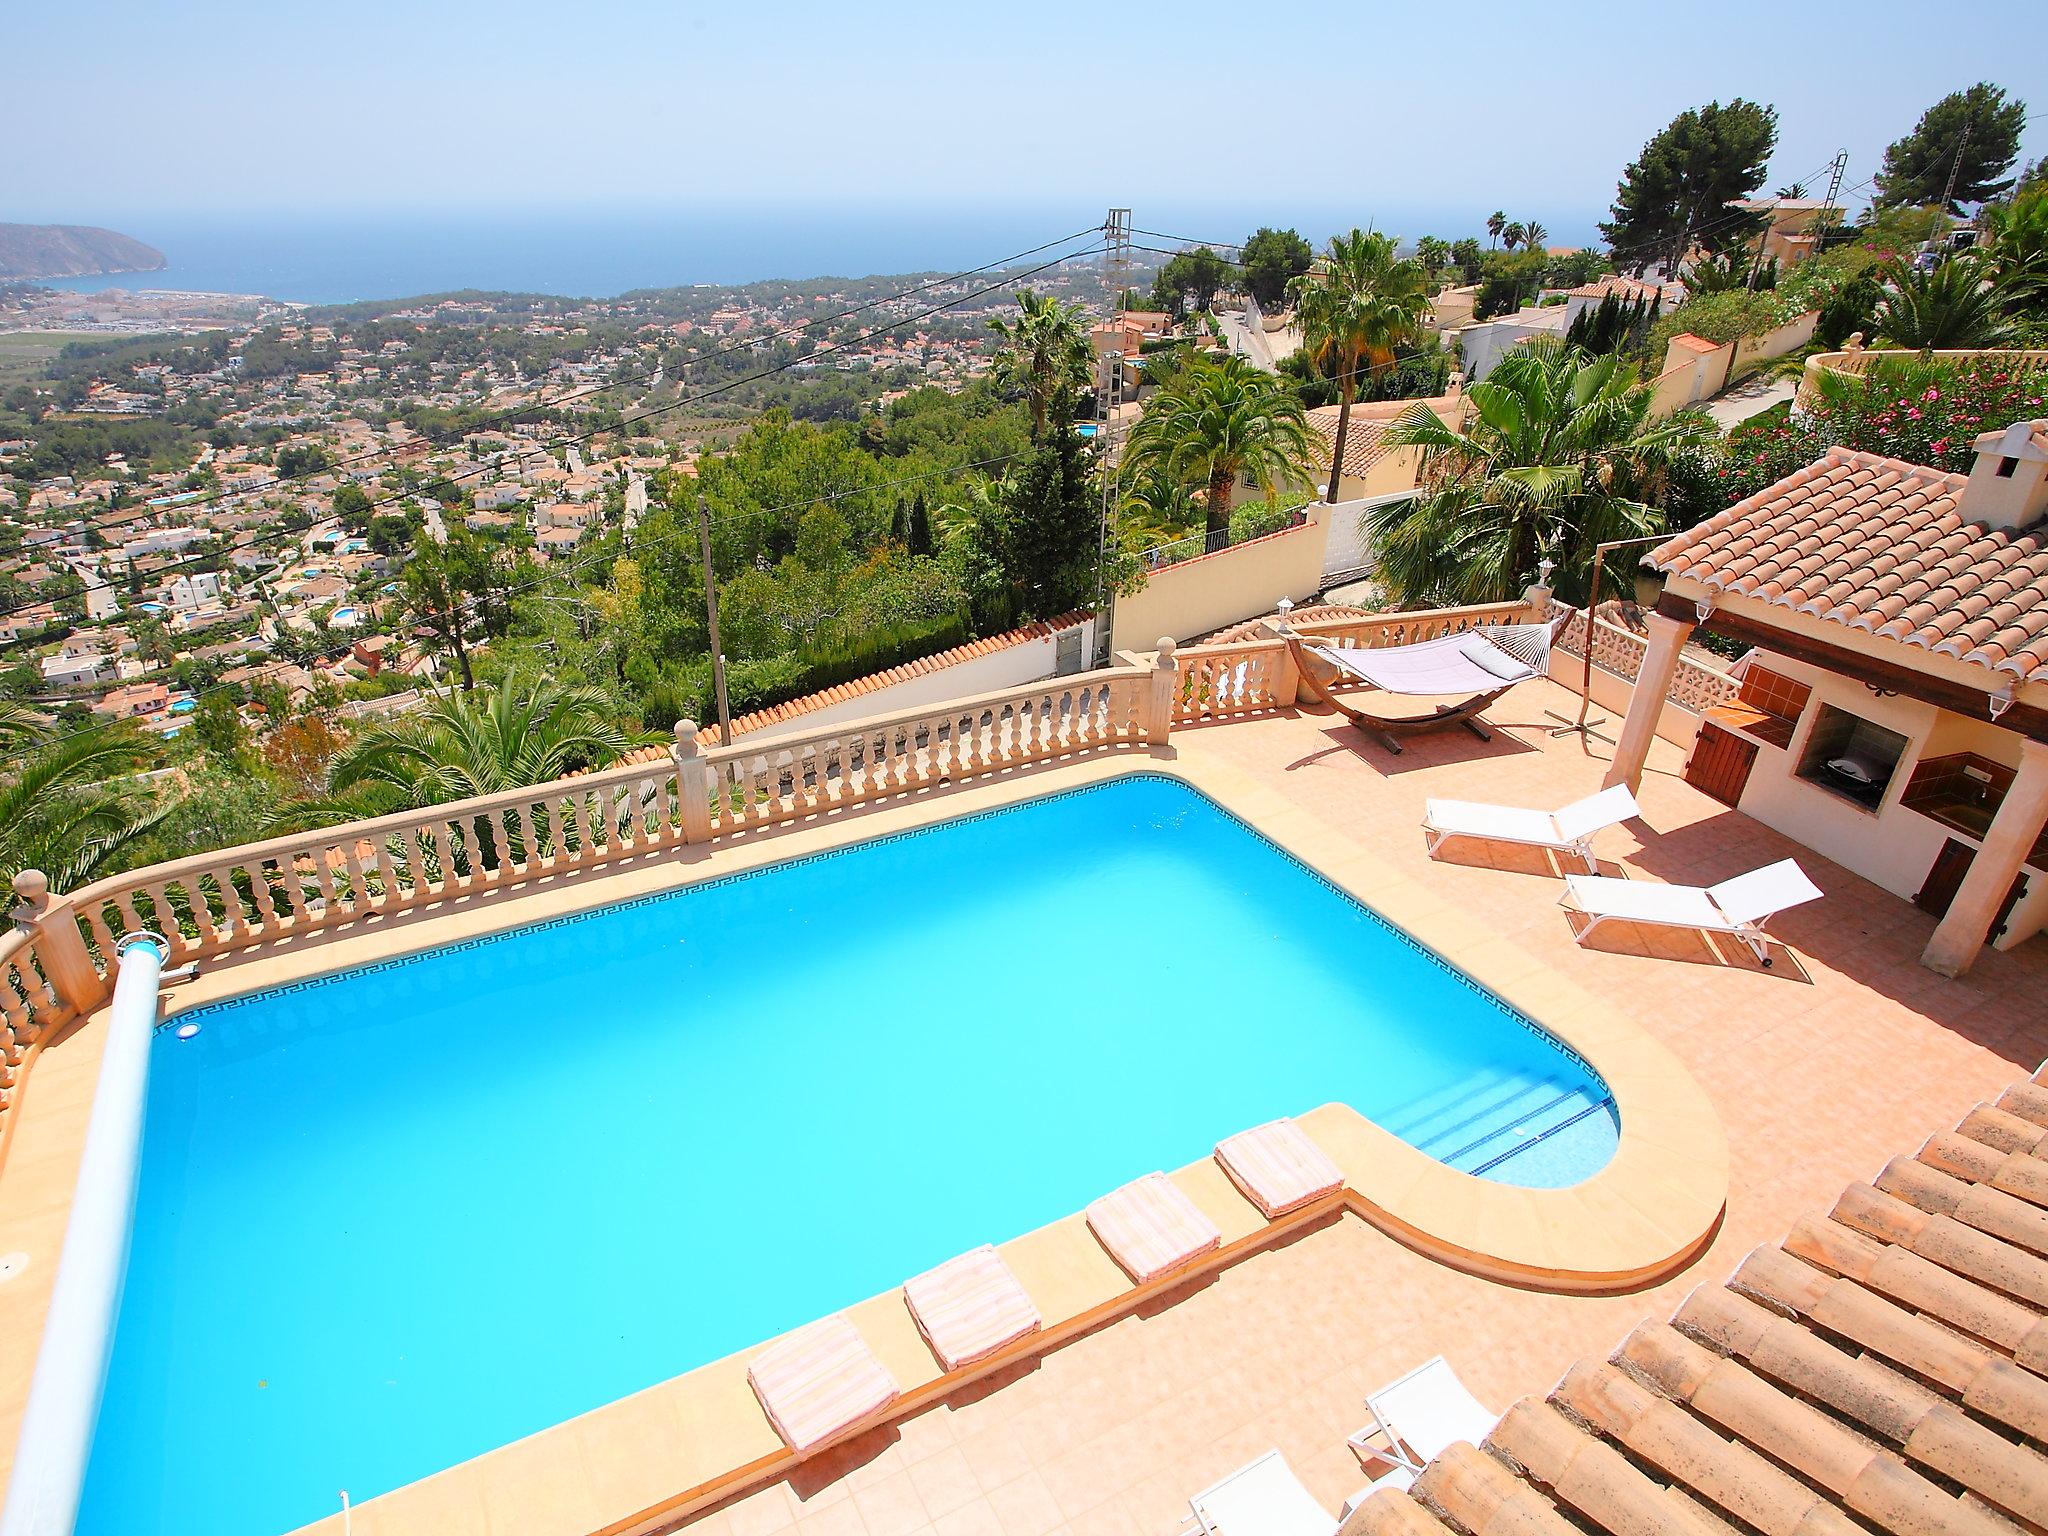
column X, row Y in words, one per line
column 194, row 590
column 1483, row 343
column 63, row 670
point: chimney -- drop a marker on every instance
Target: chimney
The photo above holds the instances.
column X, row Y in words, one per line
column 2009, row 486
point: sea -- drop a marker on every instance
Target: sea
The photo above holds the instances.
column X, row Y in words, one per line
column 338, row 258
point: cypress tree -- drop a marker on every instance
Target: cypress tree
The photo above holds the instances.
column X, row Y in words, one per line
column 920, row 534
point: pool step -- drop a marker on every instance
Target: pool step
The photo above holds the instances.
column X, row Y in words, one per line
column 1421, row 1120
column 1536, row 1122
column 1598, row 1106
column 1480, row 1110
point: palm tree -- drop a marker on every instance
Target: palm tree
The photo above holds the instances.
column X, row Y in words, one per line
column 1953, row 304
column 1157, row 509
column 1511, row 235
column 1560, row 455
column 2018, row 247
column 1533, row 236
column 1359, row 304
column 1496, row 221
column 58, row 813
column 525, row 730
column 1213, row 421
column 1045, row 352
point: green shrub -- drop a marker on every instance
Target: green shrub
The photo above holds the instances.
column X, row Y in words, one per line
column 1922, row 412
column 689, row 691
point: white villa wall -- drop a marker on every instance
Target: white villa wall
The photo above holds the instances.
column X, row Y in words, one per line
column 1610, row 695
column 1011, row 667
column 1210, row 591
column 1690, row 377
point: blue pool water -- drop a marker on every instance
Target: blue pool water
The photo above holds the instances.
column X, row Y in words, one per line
column 389, row 1220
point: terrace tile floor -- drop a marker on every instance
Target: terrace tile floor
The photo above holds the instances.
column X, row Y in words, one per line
column 1822, row 1067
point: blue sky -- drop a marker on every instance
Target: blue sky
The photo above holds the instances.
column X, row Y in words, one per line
column 119, row 107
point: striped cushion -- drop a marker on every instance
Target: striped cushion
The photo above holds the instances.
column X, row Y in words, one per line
column 1151, row 1227
column 970, row 1307
column 1278, row 1167
column 819, row 1381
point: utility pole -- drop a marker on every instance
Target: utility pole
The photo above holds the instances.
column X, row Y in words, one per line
column 1955, row 168
column 1116, row 261
column 1837, row 168
column 711, row 618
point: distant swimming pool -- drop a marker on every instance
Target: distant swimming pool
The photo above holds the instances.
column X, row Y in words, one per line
column 393, row 1218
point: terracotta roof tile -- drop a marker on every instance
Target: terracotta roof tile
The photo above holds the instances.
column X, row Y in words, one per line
column 1880, row 545
column 1881, row 1370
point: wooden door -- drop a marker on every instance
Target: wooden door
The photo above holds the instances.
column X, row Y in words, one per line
column 1945, row 878
column 1720, row 764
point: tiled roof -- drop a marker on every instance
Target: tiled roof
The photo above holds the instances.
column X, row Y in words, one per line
column 840, row 693
column 1364, row 440
column 1622, row 288
column 1879, row 545
column 1885, row 1369
column 1364, row 443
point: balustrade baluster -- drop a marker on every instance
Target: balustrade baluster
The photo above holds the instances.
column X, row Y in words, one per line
column 294, row 894
column 586, row 843
column 103, row 937
column 323, row 876
column 259, row 890
column 379, row 888
column 234, row 914
column 418, row 884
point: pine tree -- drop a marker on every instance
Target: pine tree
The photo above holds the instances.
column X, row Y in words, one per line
column 1973, row 135
column 1678, row 189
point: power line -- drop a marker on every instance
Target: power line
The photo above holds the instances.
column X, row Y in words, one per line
column 512, row 413
column 660, row 410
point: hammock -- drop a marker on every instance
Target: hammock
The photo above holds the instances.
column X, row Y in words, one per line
column 1480, row 663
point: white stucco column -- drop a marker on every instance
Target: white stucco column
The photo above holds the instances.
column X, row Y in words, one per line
column 2021, row 815
column 1646, row 702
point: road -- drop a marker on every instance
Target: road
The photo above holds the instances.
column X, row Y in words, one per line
column 1749, row 398
column 1246, row 340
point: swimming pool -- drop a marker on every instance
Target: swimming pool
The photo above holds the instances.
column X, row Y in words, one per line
column 390, row 1219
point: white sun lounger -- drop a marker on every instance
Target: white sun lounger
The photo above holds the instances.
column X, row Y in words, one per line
column 1739, row 907
column 1567, row 831
column 1262, row 1498
column 1421, row 1416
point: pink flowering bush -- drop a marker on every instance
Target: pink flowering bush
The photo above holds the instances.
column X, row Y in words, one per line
column 1925, row 413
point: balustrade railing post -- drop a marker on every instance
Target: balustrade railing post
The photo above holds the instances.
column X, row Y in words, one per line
column 693, row 783
column 1163, row 685
column 52, row 921
column 1286, row 671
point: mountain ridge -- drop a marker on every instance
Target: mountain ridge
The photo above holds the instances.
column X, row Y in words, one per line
column 30, row 251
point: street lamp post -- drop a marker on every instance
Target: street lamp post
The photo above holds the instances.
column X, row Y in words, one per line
column 1581, row 726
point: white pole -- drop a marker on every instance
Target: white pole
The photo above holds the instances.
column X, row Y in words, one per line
column 78, row 1334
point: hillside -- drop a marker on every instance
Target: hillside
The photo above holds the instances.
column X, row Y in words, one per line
column 71, row 250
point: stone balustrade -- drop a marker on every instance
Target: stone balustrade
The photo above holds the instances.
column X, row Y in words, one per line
column 1619, row 650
